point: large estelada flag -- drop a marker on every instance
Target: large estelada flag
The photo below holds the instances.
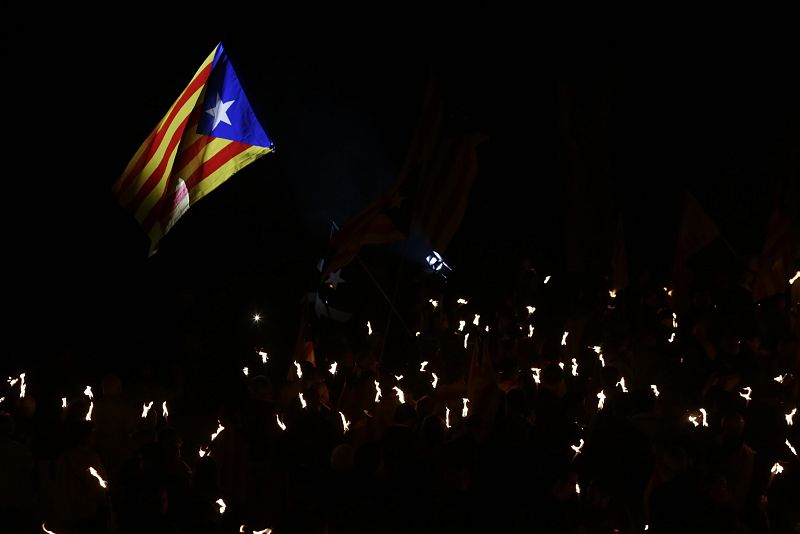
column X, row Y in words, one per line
column 208, row 134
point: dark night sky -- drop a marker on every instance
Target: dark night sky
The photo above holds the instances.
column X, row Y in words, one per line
column 720, row 120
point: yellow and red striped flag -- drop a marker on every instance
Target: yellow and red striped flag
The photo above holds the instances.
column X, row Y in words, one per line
column 208, row 134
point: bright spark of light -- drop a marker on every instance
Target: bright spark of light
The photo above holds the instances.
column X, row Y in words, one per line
column 746, row 396
column 462, row 301
column 332, row 369
column 693, row 419
column 465, row 410
column 22, row 386
column 705, row 416
column 779, row 379
column 89, row 413
column 601, row 400
column 530, row 330
column 447, row 417
column 574, row 367
column 789, row 416
column 434, row 303
column 303, row 402
column 44, row 529
column 88, row 392
column 793, row 279
column 164, row 410
column 369, row 328
column 547, row 279
column 435, row 380
column 564, row 339
column 222, row 506
column 530, row 309
column 461, row 325
column 280, row 423
column 777, row 469
column 377, row 391
column 477, row 319
column 256, row 317
column 298, row 370
column 63, row 402
column 466, row 337
column 345, row 423
column 537, row 373
column 612, row 293
column 577, row 449
column 264, row 356
column 671, row 337
column 245, row 371
column 674, row 320
column 655, row 390
column 400, row 395
column 220, row 428
column 422, row 366
column 417, row 334
column 621, row 384
column 146, row 409
column 398, row 377
column 95, row 474
column 790, row 447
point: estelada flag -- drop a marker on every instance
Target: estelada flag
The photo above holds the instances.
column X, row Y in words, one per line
column 208, row 134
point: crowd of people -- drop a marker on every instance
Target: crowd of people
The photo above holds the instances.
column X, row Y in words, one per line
column 553, row 407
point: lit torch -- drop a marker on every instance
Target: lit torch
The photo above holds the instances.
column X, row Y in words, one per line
column 332, row 370
column 434, row 303
column 435, row 380
column 462, row 301
column 89, row 413
column 280, row 423
column 779, row 379
column 400, row 396
column 530, row 330
column 422, row 366
column 574, row 367
column 746, row 396
column 461, row 325
column 88, row 392
column 95, row 474
column 537, row 373
column 146, row 409
column 577, row 449
column 655, row 390
column 621, row 384
column 264, row 356
column 377, row 391
column 465, row 410
column 705, row 416
column 22, row 386
column 303, row 402
column 564, row 339
column 298, row 370
column 220, row 428
column 222, row 506
column 466, row 337
column 164, row 410
column 476, row 320
column 789, row 416
column 345, row 423
column 601, row 400
column 530, row 309
column 369, row 329
column 790, row 447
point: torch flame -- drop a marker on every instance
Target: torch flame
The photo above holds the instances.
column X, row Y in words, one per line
column 22, row 386
column 345, row 423
column 280, row 423
column 465, row 410
column 164, row 410
column 332, row 370
column 220, row 428
column 777, row 469
column 530, row 309
column 476, row 320
column 245, row 371
column 400, row 396
column 466, row 337
column 746, row 396
column 435, row 380
column 621, row 384
column 44, row 528
column 434, row 303
column 63, row 402
column 789, row 416
column 265, row 531
column 462, row 301
column 561, row 364
column 574, row 367
column 705, row 416
column 693, row 419
column 377, row 391
column 146, row 409
column 222, row 506
column 655, row 390
column 577, row 489
column 88, row 392
column 303, row 402
column 95, row 474
column 369, row 329
column 299, row 371
column 790, row 447
column 602, row 400
column 487, row 328
column 416, row 334
column 546, row 279
column 612, row 293
column 674, row 320
column 12, row 381
column 793, row 279
column 530, row 330
column 202, row 452
column 422, row 366
column 577, row 449
column 264, row 356
column 447, row 418
column 564, row 339
column 89, row 413
column 398, row 377
column 671, row 337
column 536, row 374
column 461, row 325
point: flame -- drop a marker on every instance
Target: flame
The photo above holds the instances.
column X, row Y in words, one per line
column 299, row 371
column 400, row 396
column 655, row 390
column 164, row 410
column 577, row 489
column 621, row 384
column 434, row 303
column 280, row 423
column 465, row 410
column 222, row 506
column 746, row 396
column 416, row 334
column 369, row 329
column 435, row 380
column 530, row 330
column 602, row 400
column 245, row 371
column 477, row 319
column 462, row 301
column 63, row 402
column 789, row 416
column 220, row 428
column 12, row 381
column 377, row 391
column 265, row 531
column 671, row 337
column 779, row 379
column 256, row 317
column 202, row 452
column 793, row 279
column 705, row 416
column 546, row 279
column 537, row 373
column 146, row 409
column 674, row 320
column 398, row 377
column 303, row 402
column 44, row 528
column 564, row 339
column 561, row 364
column 88, row 392
column 332, row 370
column 574, row 367
column 577, row 448
column 345, row 423
column 777, row 469
column 22, row 386
column 422, row 366
column 89, row 413
column 612, row 293
column 264, row 356
column 2, row 399
column 447, row 418
column 487, row 328
column 95, row 474
column 466, row 337
column 461, row 325
column 530, row 309
column 602, row 360
column 241, row 529
column 693, row 419
column 597, row 349
column 790, row 447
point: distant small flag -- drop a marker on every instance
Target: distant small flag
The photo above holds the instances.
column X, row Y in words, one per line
column 209, row 133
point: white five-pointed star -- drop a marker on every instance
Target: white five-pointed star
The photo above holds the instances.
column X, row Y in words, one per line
column 220, row 112
column 335, row 278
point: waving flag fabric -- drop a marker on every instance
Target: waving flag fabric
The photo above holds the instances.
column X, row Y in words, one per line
column 208, row 134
